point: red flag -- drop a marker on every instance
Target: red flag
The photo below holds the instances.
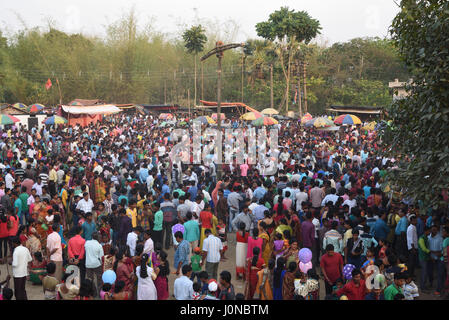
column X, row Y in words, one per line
column 48, row 84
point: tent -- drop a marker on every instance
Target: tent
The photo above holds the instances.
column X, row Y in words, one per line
column 84, row 115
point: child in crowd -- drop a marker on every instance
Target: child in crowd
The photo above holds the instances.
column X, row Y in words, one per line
column 49, row 282
column 196, row 291
column 105, row 290
column 221, row 231
column 38, row 269
column 410, row 289
column 195, row 261
column 204, row 279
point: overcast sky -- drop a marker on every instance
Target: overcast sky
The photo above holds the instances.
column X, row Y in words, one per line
column 341, row 20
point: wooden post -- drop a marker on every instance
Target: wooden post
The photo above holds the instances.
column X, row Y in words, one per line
column 220, row 55
column 305, row 88
column 165, row 91
column 188, row 99
column 299, row 91
column 194, row 104
column 202, row 81
column 243, row 72
column 271, row 87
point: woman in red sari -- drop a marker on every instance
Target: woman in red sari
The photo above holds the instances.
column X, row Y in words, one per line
column 124, row 272
column 254, row 265
column 162, row 271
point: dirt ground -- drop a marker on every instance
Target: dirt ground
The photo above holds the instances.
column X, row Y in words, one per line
column 35, row 292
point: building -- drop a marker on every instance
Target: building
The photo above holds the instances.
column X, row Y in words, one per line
column 26, row 119
column 365, row 113
column 399, row 91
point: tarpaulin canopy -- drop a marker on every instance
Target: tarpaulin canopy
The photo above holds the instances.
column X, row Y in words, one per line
column 98, row 109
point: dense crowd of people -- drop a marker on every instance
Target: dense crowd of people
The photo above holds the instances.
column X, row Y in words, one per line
column 107, row 200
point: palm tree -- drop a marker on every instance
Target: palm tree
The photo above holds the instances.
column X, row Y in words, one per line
column 194, row 39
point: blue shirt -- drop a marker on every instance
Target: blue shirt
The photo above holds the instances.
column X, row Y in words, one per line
column 182, row 254
column 259, row 193
column 165, row 189
column 183, row 288
column 367, row 191
column 435, row 244
column 401, row 226
column 143, row 175
column 381, row 229
column 258, row 212
column 88, row 230
column 193, row 191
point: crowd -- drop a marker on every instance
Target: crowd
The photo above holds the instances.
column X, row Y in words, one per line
column 106, row 200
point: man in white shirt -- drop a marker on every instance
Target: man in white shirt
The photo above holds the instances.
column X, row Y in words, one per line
column 94, row 254
column 183, row 287
column 38, row 186
column 21, row 257
column 9, row 180
column 54, row 250
column 212, row 249
column 149, row 244
column 85, row 204
column 332, row 197
column 412, row 245
column 301, row 197
column 351, row 202
column 131, row 240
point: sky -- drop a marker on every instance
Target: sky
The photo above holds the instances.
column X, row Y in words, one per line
column 341, row 20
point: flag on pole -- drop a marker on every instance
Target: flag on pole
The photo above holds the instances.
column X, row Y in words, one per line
column 48, row 84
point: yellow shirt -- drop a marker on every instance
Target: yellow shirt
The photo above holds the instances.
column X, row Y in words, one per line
column 132, row 214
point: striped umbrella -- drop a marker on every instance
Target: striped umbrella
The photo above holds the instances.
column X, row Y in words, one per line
column 205, row 120
column 306, row 117
column 55, row 120
column 35, row 108
column 348, row 119
column 265, row 121
column 321, row 122
column 8, row 119
column 249, row 116
column 270, row 111
column 20, row 106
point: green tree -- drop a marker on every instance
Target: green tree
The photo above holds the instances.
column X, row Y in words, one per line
column 418, row 137
column 194, row 39
column 288, row 28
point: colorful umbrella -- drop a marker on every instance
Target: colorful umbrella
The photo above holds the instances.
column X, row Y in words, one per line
column 166, row 116
column 370, row 126
column 205, row 120
column 321, row 122
column 249, row 116
column 270, row 111
column 163, row 124
column 55, row 120
column 35, row 108
column 348, row 119
column 306, row 117
column 265, row 121
column 215, row 116
column 20, row 106
column 76, row 103
column 8, row 119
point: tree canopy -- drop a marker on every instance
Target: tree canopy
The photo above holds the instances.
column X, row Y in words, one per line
column 419, row 135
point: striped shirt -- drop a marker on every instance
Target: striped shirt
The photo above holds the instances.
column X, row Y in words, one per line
column 44, row 178
column 212, row 245
column 333, row 237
